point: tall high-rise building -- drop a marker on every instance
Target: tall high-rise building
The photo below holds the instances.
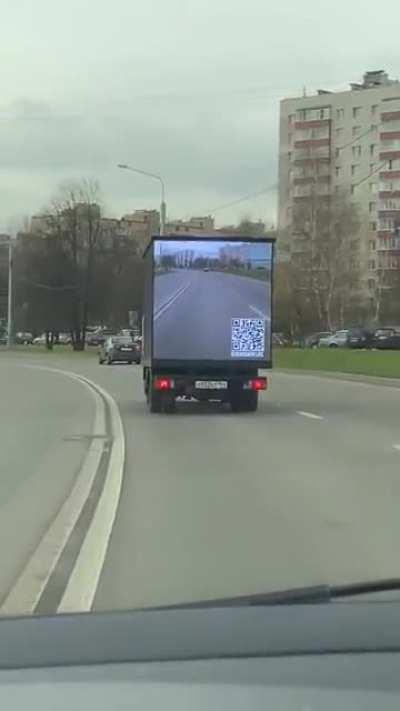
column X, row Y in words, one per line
column 348, row 143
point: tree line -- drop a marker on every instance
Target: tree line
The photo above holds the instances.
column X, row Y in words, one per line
column 319, row 285
column 73, row 273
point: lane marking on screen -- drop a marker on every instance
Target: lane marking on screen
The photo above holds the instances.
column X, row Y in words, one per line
column 260, row 313
column 310, row 415
column 171, row 300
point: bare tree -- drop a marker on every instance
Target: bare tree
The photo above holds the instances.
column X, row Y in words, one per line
column 325, row 255
column 75, row 221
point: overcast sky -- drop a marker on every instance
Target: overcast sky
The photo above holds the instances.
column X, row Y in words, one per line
column 186, row 88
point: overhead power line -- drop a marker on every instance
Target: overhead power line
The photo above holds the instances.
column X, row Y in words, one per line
column 244, row 198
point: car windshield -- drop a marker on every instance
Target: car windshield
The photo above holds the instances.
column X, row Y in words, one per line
column 199, row 300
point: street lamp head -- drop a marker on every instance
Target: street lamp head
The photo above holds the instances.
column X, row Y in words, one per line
column 122, row 165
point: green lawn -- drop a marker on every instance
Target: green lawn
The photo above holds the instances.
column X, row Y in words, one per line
column 342, row 360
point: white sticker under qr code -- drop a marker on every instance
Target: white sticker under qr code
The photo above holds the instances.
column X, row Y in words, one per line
column 247, row 338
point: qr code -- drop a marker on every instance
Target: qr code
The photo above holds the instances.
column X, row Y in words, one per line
column 248, row 338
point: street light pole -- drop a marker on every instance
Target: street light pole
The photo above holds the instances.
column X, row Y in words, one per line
column 163, row 206
column 10, row 299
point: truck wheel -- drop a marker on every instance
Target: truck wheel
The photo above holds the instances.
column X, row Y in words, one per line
column 154, row 400
column 245, row 402
column 168, row 404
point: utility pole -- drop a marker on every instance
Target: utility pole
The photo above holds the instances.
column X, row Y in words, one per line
column 163, row 206
column 10, row 295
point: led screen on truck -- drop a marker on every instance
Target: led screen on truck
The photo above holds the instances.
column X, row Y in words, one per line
column 212, row 300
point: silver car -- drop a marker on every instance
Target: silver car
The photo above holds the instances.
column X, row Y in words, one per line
column 339, row 339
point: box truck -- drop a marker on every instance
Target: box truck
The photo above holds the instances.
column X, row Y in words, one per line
column 207, row 320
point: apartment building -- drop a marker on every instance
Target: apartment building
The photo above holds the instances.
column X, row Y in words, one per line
column 195, row 225
column 347, row 142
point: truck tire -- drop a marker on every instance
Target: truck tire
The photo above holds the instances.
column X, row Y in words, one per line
column 168, row 404
column 246, row 401
column 154, row 400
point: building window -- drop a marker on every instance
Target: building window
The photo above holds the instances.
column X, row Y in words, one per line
column 340, row 114
column 372, row 149
column 354, row 169
column 322, row 113
column 356, row 130
column 372, row 206
column 291, row 119
column 371, row 264
column 371, row 285
column 289, row 139
column 374, row 109
column 373, row 187
column 372, row 226
column 374, row 128
column 356, row 111
column 390, row 164
column 372, row 167
column 337, row 171
column 289, row 155
column 339, row 132
column 337, row 152
column 372, row 245
column 356, row 151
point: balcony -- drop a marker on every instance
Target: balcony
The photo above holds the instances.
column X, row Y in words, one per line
column 384, row 194
column 389, row 155
column 389, row 135
column 312, row 123
column 390, row 116
column 313, row 143
column 389, row 175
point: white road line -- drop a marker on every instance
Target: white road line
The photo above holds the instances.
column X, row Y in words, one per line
column 309, row 414
column 259, row 313
column 82, row 585
column 396, row 446
column 170, row 301
column 26, row 593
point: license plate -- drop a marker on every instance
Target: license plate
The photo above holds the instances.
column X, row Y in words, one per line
column 211, row 384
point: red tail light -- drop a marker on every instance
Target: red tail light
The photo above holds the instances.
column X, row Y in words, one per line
column 258, row 384
column 163, row 384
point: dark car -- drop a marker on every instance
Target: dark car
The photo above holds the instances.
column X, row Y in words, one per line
column 360, row 338
column 119, row 349
column 23, row 338
column 387, row 338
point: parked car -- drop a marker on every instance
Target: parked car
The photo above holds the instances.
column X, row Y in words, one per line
column 360, row 338
column 121, row 349
column 98, row 338
column 339, row 339
column 3, row 338
column 39, row 340
column 64, row 339
column 313, row 340
column 23, row 338
column 387, row 338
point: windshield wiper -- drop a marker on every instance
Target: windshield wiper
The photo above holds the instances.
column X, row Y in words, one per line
column 315, row 594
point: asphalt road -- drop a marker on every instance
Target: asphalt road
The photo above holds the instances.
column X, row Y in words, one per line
column 305, row 491
column 44, row 419
column 193, row 311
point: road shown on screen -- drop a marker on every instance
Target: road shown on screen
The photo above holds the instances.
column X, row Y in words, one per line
column 193, row 311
